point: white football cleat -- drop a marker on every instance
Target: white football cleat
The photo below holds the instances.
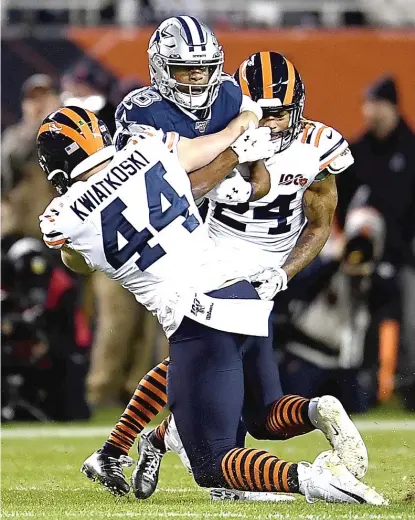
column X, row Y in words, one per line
column 173, row 442
column 250, row 496
column 329, row 416
column 329, row 480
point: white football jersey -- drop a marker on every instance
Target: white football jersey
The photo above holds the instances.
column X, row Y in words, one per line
column 136, row 221
column 267, row 229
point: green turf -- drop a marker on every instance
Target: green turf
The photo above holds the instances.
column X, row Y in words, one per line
column 41, row 479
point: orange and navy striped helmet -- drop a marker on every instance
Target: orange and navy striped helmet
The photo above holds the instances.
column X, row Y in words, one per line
column 70, row 142
column 271, row 80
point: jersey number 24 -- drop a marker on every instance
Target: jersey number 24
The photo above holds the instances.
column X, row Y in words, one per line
column 114, row 222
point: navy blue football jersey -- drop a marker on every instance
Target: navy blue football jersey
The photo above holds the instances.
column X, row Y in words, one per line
column 145, row 106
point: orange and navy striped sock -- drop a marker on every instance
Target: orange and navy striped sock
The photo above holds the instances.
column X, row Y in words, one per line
column 288, row 417
column 148, row 400
column 255, row 470
column 156, row 437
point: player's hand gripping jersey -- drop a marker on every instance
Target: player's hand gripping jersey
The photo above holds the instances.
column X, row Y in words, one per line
column 271, row 226
column 136, row 221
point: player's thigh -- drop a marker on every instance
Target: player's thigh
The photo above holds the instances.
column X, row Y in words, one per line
column 261, row 376
column 298, row 376
column 205, row 389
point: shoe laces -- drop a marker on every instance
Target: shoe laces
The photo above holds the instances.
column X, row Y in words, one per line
column 151, row 465
column 115, row 465
column 126, row 461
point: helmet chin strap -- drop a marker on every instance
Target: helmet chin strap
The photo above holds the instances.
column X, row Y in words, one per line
column 192, row 101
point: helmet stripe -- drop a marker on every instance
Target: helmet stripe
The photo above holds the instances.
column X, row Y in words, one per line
column 80, row 122
column 81, row 119
column 188, row 33
column 96, row 132
column 199, row 30
column 266, row 74
column 242, row 79
column 290, row 83
column 90, row 145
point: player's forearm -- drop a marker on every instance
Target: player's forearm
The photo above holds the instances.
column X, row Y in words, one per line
column 320, row 201
column 201, row 151
column 204, row 179
column 307, row 248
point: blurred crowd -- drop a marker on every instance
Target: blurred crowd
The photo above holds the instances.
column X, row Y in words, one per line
column 345, row 326
column 265, row 13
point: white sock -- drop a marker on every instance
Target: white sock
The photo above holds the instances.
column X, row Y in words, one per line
column 312, row 411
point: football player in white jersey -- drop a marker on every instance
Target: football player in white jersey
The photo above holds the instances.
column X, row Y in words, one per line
column 289, row 226
column 132, row 216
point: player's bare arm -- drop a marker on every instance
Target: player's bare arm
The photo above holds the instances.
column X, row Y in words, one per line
column 205, row 178
column 75, row 261
column 197, row 153
column 320, row 201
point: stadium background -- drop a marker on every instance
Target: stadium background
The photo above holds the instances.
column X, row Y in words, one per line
column 337, row 65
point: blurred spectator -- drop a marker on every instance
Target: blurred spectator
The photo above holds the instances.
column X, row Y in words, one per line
column 25, row 190
column 385, row 166
column 45, row 339
column 48, row 331
column 329, row 311
column 123, row 87
column 89, row 86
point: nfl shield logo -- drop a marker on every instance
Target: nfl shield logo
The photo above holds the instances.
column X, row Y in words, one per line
column 201, row 126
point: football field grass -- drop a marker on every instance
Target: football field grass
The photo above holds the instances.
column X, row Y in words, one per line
column 41, row 478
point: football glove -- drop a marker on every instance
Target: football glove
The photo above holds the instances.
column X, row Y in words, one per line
column 254, row 144
column 271, row 281
column 52, row 236
column 232, row 190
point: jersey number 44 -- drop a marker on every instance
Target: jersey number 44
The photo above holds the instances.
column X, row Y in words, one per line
column 114, row 223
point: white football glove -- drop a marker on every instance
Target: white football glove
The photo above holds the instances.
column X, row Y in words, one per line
column 272, row 281
column 49, row 222
column 232, row 190
column 254, row 144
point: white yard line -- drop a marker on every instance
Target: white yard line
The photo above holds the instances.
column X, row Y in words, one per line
column 72, row 432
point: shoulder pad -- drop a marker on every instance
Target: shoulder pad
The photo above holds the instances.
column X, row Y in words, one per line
column 333, row 149
column 230, row 87
column 137, row 108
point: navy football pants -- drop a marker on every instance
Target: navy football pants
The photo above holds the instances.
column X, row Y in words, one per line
column 214, row 379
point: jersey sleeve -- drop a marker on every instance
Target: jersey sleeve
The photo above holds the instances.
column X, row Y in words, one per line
column 130, row 117
column 171, row 140
column 334, row 152
column 249, row 105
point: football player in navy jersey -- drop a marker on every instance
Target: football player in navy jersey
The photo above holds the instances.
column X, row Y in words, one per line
column 190, row 95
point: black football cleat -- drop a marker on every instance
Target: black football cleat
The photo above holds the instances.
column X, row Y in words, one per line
column 146, row 474
column 107, row 470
